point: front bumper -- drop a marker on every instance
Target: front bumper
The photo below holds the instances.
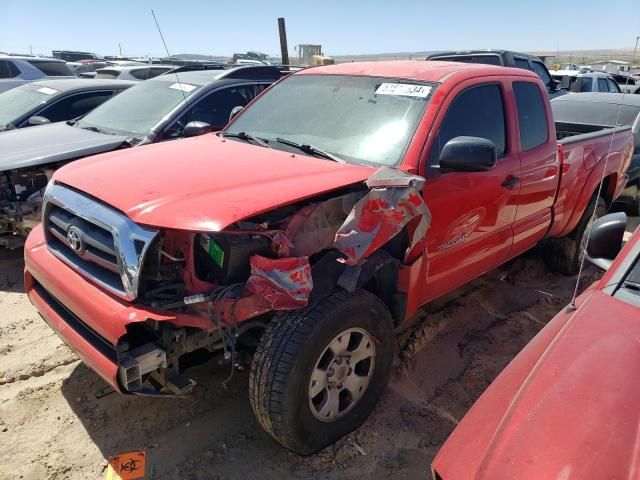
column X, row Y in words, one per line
column 89, row 320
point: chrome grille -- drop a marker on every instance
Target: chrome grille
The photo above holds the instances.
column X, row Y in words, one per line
column 96, row 240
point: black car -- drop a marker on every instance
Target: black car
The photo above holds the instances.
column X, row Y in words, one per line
column 166, row 107
column 503, row 58
column 49, row 101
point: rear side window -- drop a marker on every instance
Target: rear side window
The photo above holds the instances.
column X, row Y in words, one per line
column 586, row 84
column 141, row 74
column 613, row 86
column 8, row 69
column 154, row 72
column 521, row 63
column 534, row 129
column 476, row 112
column 602, row 85
column 106, row 73
column 51, row 69
column 540, row 70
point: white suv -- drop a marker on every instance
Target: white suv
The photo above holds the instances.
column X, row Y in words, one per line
column 18, row 70
column 585, row 81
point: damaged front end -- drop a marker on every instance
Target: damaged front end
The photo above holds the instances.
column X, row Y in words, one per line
column 208, row 293
column 21, row 195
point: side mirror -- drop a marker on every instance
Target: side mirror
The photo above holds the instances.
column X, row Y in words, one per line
column 37, row 120
column 235, row 111
column 605, row 239
column 468, row 154
column 193, row 129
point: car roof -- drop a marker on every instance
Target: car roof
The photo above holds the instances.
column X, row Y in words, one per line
column 204, row 77
column 601, row 97
column 480, row 52
column 127, row 68
column 579, row 73
column 30, row 58
column 432, row 71
column 67, row 84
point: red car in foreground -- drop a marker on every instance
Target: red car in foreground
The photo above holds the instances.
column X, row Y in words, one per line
column 568, row 406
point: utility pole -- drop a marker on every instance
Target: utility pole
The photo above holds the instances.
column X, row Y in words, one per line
column 120, row 48
column 284, row 52
column 30, row 50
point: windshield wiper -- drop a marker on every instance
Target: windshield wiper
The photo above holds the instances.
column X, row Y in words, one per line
column 246, row 137
column 93, row 129
column 311, row 150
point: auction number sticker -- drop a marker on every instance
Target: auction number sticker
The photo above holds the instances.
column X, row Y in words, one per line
column 404, row 89
column 47, row 90
column 185, row 87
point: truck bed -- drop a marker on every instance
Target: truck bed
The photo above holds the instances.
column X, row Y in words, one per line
column 568, row 133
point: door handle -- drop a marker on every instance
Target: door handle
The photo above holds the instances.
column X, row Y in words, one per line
column 510, row 181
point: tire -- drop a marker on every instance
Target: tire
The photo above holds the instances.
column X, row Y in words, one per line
column 299, row 344
column 634, row 207
column 564, row 254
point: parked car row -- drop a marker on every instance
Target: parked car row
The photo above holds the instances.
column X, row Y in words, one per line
column 17, row 70
column 164, row 108
column 333, row 205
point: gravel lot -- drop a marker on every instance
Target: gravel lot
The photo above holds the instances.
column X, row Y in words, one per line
column 53, row 426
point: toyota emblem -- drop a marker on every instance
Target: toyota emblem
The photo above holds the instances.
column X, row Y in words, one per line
column 74, row 237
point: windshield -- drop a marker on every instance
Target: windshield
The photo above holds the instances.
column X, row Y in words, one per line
column 20, row 100
column 139, row 108
column 363, row 120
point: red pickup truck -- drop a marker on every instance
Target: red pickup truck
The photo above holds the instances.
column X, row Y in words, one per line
column 301, row 235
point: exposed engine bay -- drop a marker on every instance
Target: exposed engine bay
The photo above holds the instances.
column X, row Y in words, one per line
column 234, row 280
column 21, row 193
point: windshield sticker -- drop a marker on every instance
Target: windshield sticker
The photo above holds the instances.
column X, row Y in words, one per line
column 185, row 87
column 47, row 90
column 404, row 89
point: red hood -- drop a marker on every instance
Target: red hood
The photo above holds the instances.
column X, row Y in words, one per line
column 204, row 183
column 567, row 411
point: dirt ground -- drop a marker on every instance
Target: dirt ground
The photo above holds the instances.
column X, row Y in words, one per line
column 52, row 426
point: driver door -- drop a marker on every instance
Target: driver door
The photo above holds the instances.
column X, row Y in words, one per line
column 472, row 212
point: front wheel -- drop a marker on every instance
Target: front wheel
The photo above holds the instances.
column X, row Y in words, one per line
column 319, row 371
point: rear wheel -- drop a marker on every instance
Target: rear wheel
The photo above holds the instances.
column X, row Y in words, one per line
column 564, row 254
column 319, row 371
column 634, row 205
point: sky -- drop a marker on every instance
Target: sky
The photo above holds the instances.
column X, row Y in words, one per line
column 342, row 27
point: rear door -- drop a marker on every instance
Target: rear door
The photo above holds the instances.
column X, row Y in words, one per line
column 539, row 166
column 472, row 213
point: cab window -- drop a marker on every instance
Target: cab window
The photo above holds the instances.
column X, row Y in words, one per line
column 532, row 118
column 476, row 112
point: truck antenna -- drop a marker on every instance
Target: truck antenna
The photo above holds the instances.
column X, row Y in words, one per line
column 572, row 305
column 169, row 56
